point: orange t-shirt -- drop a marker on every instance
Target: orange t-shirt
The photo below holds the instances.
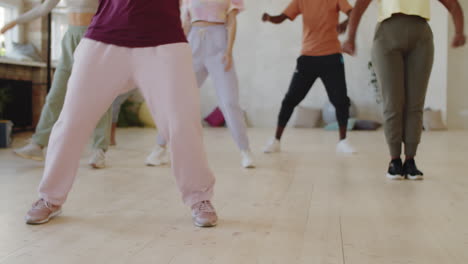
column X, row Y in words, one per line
column 320, row 19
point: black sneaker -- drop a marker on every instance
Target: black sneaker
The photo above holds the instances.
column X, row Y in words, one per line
column 411, row 171
column 395, row 170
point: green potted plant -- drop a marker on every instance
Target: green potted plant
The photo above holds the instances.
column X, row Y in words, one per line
column 6, row 126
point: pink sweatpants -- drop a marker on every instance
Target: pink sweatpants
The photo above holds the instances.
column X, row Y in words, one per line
column 100, row 73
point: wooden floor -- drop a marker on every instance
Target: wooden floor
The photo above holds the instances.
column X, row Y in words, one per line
column 304, row 205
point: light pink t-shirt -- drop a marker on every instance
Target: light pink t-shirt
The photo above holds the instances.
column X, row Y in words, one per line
column 210, row 10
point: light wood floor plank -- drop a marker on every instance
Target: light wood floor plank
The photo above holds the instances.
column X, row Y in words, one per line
column 304, row 205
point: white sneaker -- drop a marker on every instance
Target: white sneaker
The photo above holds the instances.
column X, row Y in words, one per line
column 98, row 159
column 247, row 159
column 272, row 146
column 345, row 147
column 30, row 151
column 159, row 156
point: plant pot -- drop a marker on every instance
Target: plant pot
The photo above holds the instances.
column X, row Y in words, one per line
column 6, row 127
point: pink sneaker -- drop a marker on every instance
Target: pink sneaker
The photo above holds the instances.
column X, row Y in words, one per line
column 41, row 212
column 204, row 214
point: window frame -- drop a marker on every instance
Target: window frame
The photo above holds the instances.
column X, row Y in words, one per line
column 17, row 7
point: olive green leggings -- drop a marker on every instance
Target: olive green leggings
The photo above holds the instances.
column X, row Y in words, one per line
column 403, row 55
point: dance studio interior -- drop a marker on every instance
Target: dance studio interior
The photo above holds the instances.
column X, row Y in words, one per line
column 233, row 131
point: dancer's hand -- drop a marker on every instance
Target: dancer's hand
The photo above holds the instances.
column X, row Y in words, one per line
column 349, row 47
column 341, row 28
column 7, row 27
column 274, row 19
column 227, row 60
column 459, row 40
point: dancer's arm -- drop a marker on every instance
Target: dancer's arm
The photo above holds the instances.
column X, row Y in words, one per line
column 343, row 26
column 361, row 6
column 231, row 26
column 453, row 6
column 274, row 19
column 40, row 11
column 186, row 18
column 291, row 12
column 186, row 25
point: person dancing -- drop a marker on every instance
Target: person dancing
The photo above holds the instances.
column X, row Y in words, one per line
column 211, row 27
column 80, row 14
column 321, row 58
column 134, row 43
column 403, row 55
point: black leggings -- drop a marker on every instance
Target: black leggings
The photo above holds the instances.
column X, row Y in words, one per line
column 330, row 69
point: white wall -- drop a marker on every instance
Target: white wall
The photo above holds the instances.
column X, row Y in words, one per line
column 265, row 56
column 437, row 93
column 457, row 109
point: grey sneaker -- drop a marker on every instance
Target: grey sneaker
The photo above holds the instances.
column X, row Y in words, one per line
column 204, row 214
column 41, row 212
column 30, row 151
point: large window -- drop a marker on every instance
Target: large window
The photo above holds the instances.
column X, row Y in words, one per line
column 59, row 27
column 9, row 9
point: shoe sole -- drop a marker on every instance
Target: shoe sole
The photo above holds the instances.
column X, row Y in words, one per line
column 341, row 151
column 28, row 156
column 346, row 152
column 251, row 166
column 149, row 164
column 415, row 178
column 271, row 151
column 395, row 177
column 52, row 215
column 94, row 166
column 205, row 225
